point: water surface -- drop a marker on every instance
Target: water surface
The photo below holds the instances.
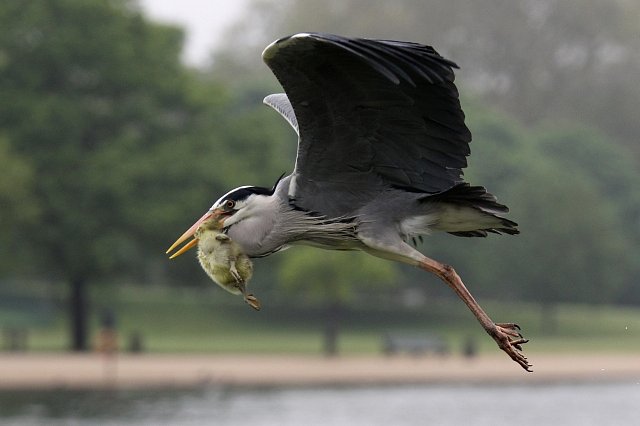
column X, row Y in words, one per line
column 568, row 404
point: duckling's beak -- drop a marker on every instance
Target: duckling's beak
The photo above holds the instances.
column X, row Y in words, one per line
column 188, row 233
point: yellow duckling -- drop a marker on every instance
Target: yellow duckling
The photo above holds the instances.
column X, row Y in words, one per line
column 224, row 261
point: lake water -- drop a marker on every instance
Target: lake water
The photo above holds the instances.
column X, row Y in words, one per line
column 569, row 404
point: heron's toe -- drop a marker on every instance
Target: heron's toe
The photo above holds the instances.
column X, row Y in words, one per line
column 510, row 340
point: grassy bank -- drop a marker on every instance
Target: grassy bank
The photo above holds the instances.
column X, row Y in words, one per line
column 197, row 320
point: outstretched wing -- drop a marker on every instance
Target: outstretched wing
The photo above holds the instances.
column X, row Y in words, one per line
column 370, row 114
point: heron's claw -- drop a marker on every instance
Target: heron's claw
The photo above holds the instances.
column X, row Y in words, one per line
column 503, row 334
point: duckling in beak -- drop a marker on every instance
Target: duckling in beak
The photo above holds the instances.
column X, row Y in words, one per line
column 224, row 261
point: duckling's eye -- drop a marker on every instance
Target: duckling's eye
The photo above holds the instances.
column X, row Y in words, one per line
column 229, row 204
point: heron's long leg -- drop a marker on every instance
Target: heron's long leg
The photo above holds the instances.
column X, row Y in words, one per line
column 502, row 333
column 390, row 246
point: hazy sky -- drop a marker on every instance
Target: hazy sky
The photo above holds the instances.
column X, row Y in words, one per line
column 204, row 21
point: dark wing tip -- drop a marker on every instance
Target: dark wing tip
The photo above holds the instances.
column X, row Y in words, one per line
column 396, row 60
column 272, row 49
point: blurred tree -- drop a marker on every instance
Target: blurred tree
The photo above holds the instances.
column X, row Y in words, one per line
column 574, row 251
column 334, row 280
column 18, row 205
column 586, row 150
column 95, row 101
column 571, row 191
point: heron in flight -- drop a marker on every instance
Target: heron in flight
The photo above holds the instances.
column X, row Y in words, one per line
column 381, row 147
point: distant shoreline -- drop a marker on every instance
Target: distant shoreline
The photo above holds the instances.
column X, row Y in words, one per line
column 148, row 371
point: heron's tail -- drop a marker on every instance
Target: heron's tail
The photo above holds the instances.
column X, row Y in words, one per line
column 470, row 211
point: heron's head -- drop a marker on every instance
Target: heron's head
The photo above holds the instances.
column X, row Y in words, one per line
column 233, row 207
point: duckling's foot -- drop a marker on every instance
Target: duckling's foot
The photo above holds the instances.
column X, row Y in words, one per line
column 252, row 301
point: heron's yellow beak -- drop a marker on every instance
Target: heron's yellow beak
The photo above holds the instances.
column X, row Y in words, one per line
column 188, row 233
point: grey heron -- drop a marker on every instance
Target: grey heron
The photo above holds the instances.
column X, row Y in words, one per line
column 381, row 147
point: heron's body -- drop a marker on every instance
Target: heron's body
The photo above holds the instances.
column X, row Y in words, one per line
column 404, row 217
column 381, row 148
column 224, row 261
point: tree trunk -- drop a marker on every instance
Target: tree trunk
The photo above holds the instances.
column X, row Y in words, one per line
column 78, row 308
column 331, row 329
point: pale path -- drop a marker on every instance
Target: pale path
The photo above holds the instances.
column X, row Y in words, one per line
column 52, row 371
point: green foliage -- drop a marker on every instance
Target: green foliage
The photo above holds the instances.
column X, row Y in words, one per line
column 16, row 199
column 333, row 277
column 571, row 191
column 96, row 102
column 93, row 95
column 18, row 205
column 571, row 247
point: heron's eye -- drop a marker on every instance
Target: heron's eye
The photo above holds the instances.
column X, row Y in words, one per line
column 229, row 204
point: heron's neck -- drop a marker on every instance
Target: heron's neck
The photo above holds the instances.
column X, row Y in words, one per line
column 255, row 225
column 301, row 227
column 278, row 224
